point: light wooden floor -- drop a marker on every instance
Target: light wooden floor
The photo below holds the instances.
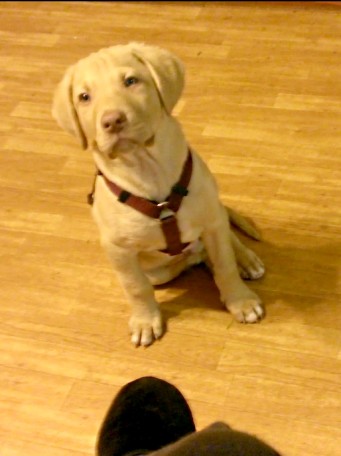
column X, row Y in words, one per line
column 263, row 106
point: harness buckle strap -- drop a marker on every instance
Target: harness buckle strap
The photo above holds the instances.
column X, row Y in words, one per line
column 171, row 232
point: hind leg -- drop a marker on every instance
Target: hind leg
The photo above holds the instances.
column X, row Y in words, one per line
column 161, row 275
column 167, row 273
column 249, row 264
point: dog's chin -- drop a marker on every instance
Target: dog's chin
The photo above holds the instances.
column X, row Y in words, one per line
column 122, row 145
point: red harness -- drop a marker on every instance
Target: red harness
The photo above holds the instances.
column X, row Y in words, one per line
column 164, row 211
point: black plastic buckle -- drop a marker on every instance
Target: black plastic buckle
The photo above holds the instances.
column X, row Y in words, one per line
column 180, row 190
column 123, row 196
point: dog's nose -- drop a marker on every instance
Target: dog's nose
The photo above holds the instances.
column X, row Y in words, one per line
column 113, row 121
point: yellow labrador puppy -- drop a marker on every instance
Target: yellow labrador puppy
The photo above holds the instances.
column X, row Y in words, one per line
column 156, row 203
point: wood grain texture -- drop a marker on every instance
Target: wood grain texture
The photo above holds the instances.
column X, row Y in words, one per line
column 262, row 106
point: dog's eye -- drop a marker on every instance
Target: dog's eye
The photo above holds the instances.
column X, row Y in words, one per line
column 131, row 80
column 84, row 97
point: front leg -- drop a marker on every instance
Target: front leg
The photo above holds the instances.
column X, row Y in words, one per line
column 146, row 321
column 243, row 303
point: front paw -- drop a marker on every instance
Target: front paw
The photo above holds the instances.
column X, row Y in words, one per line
column 146, row 327
column 246, row 308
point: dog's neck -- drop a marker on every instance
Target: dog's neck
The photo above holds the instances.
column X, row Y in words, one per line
column 151, row 170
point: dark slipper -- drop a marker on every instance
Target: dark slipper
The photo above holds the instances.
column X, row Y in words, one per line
column 146, row 415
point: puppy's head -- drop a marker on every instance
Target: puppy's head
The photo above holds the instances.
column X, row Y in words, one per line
column 117, row 96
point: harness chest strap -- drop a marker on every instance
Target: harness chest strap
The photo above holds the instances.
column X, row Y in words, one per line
column 165, row 211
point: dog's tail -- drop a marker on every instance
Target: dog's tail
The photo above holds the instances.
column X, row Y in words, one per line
column 243, row 224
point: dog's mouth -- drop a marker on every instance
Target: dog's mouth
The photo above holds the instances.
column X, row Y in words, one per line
column 115, row 144
column 119, row 143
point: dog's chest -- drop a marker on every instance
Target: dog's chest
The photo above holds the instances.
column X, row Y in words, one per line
column 127, row 227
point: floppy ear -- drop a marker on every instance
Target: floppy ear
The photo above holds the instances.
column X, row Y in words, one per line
column 167, row 71
column 63, row 109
